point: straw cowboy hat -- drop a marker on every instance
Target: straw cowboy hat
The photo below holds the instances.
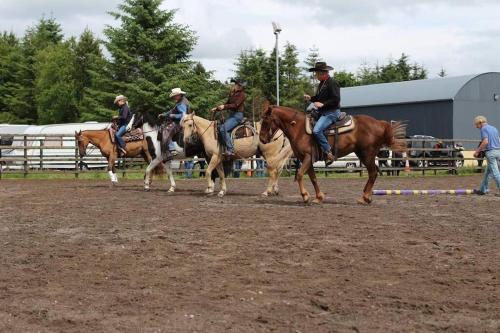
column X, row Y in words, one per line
column 320, row 66
column 176, row 91
column 120, row 98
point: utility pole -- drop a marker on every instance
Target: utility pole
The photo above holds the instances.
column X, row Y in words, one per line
column 277, row 30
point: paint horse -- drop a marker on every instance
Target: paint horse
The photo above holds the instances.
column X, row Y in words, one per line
column 104, row 141
column 276, row 151
column 150, row 127
column 365, row 137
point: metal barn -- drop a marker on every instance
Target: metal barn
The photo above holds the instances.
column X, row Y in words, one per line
column 442, row 107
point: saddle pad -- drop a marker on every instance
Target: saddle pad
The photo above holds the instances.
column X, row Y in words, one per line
column 134, row 135
column 346, row 127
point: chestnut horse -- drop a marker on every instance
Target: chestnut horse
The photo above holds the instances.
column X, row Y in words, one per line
column 102, row 140
column 366, row 139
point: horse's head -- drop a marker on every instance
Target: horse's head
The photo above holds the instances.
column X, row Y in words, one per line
column 82, row 141
column 189, row 127
column 269, row 125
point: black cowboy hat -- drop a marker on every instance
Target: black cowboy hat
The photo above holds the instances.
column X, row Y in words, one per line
column 239, row 81
column 320, row 66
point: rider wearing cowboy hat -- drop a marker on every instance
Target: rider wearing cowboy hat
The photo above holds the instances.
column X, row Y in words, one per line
column 124, row 116
column 327, row 102
column 236, row 105
column 175, row 115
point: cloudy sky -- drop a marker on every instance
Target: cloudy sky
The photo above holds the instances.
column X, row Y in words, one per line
column 462, row 36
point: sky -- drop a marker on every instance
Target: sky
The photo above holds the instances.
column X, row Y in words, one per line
column 461, row 36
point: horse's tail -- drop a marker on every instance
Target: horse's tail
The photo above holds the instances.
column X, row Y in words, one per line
column 395, row 134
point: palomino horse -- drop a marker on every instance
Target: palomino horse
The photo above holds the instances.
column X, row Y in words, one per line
column 276, row 152
column 102, row 140
column 366, row 139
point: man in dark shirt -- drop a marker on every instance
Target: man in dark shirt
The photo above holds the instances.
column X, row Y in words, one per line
column 124, row 116
column 327, row 102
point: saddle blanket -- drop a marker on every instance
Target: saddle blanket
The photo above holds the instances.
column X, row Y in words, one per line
column 345, row 125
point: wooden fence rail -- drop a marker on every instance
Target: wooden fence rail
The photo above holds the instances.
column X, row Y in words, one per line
column 34, row 153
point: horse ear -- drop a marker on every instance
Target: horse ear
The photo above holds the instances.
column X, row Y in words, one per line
column 266, row 109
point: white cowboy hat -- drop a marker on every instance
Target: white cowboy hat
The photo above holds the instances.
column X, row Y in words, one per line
column 119, row 98
column 176, row 91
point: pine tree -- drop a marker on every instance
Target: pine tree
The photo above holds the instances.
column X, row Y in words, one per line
column 149, row 54
column 55, row 88
column 46, row 33
column 13, row 92
column 442, row 73
column 312, row 58
column 88, row 60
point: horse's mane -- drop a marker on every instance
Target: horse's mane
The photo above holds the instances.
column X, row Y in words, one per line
column 150, row 119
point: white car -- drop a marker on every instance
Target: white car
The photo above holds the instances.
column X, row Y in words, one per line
column 350, row 161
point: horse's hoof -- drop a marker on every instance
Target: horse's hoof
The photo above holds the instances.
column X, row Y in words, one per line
column 221, row 194
column 364, row 201
column 146, row 189
column 264, row 194
column 171, row 189
column 305, row 197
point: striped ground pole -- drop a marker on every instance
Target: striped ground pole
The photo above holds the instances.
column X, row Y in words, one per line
column 460, row 191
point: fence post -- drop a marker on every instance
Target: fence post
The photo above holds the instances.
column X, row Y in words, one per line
column 25, row 154
column 77, row 164
column 42, row 142
column 124, row 166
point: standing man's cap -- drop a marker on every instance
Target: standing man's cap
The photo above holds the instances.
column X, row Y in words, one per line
column 320, row 66
column 120, row 98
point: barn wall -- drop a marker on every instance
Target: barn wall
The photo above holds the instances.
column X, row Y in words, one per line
column 428, row 118
column 476, row 98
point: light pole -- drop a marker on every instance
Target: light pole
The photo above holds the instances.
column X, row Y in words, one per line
column 277, row 30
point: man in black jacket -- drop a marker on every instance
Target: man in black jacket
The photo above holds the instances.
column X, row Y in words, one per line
column 327, row 101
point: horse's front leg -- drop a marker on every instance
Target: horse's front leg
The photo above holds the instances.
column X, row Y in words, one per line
column 147, row 175
column 306, row 164
column 272, row 186
column 223, row 187
column 170, row 174
column 112, row 170
column 211, row 167
column 320, row 196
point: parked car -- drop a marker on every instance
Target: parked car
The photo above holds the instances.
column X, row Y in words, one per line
column 347, row 162
column 436, row 152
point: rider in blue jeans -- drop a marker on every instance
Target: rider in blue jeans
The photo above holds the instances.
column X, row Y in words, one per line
column 490, row 144
column 124, row 116
column 236, row 105
column 327, row 102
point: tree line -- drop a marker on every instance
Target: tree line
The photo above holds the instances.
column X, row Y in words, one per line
column 48, row 78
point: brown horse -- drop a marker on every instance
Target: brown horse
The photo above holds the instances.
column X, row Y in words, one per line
column 366, row 139
column 102, row 140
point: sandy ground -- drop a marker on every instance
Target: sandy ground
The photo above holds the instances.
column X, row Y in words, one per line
column 79, row 256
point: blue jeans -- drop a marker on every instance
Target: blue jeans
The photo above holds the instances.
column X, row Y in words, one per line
column 188, row 167
column 493, row 158
column 119, row 134
column 326, row 119
column 225, row 129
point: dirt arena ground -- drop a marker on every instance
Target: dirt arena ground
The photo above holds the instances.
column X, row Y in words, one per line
column 79, row 256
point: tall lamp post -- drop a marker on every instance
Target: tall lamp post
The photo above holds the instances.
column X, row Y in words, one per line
column 277, row 30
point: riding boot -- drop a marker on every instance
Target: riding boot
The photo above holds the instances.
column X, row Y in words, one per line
column 167, row 155
column 329, row 158
column 122, row 152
